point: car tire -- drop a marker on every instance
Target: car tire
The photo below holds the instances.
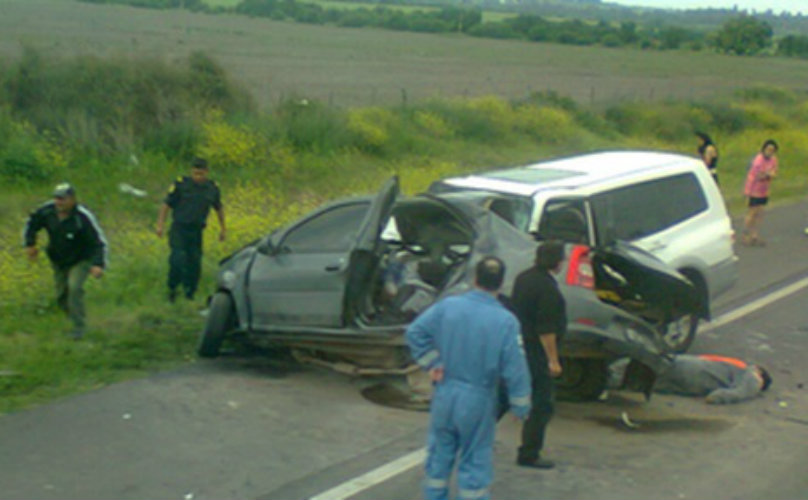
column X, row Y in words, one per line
column 221, row 319
column 679, row 335
column 582, row 379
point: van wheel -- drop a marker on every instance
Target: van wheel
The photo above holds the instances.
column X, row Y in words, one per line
column 582, row 379
column 221, row 319
column 680, row 334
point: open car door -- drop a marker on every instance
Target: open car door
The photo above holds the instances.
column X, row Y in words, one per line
column 305, row 275
column 635, row 280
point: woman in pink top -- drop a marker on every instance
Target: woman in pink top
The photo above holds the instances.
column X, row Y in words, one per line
column 758, row 180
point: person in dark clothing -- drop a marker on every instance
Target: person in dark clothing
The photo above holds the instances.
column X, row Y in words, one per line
column 189, row 199
column 76, row 249
column 718, row 379
column 541, row 310
column 708, row 152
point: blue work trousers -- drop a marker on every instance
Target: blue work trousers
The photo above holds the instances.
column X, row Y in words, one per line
column 461, row 427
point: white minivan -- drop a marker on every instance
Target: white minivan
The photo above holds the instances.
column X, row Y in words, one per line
column 664, row 203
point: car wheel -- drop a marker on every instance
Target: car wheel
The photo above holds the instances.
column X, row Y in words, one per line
column 680, row 334
column 221, row 319
column 582, row 379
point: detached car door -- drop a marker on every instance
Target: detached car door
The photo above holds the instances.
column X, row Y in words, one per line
column 301, row 278
column 643, row 276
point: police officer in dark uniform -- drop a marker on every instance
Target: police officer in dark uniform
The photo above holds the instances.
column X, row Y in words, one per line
column 541, row 310
column 76, row 249
column 190, row 199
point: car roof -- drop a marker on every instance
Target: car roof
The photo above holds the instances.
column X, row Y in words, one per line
column 573, row 172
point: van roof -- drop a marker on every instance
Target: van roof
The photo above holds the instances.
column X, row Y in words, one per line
column 571, row 172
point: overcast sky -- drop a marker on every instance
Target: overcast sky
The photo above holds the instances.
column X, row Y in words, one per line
column 793, row 6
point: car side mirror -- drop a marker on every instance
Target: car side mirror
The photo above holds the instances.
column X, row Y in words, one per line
column 266, row 247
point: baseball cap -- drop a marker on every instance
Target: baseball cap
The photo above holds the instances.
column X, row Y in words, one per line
column 63, row 190
column 199, row 163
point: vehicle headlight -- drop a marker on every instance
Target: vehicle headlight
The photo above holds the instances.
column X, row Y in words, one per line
column 228, row 279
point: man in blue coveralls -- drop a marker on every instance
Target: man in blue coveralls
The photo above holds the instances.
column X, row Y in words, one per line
column 467, row 343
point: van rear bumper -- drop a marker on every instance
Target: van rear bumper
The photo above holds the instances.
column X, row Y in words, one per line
column 723, row 277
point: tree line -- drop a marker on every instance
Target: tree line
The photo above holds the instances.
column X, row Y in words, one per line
column 740, row 35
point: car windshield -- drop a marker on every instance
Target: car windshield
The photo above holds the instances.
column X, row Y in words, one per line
column 516, row 210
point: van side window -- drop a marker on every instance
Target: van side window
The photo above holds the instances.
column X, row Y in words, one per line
column 635, row 211
column 564, row 220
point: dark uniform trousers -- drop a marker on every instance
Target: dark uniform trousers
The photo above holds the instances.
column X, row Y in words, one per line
column 542, row 402
column 543, row 397
column 185, row 259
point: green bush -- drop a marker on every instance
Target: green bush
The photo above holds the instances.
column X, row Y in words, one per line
column 312, row 126
column 793, row 46
column 106, row 106
column 585, row 118
column 468, row 123
column 723, row 117
column 18, row 163
column 25, row 155
column 493, row 30
column 176, row 139
column 669, row 122
column 768, row 94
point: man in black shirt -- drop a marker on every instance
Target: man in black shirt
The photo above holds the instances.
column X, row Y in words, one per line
column 190, row 199
column 76, row 249
column 541, row 310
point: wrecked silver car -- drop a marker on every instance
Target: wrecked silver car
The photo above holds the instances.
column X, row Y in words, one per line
column 339, row 286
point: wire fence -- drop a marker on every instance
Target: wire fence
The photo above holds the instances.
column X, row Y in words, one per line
column 595, row 96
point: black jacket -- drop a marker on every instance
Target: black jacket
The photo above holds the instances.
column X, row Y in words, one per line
column 72, row 240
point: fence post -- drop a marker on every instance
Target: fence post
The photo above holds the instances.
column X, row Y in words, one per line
column 403, row 97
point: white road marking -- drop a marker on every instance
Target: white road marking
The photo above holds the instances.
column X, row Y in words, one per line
column 753, row 306
column 374, row 477
column 391, row 469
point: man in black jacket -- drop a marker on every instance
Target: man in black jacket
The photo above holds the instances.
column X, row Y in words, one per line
column 541, row 310
column 76, row 249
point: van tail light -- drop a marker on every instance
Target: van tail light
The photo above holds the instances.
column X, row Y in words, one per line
column 580, row 271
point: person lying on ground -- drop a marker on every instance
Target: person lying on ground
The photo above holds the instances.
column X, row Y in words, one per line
column 719, row 379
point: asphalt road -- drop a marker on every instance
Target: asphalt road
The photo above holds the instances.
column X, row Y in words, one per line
column 256, row 428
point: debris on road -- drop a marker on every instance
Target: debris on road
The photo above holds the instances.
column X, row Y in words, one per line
column 628, row 423
column 129, row 189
